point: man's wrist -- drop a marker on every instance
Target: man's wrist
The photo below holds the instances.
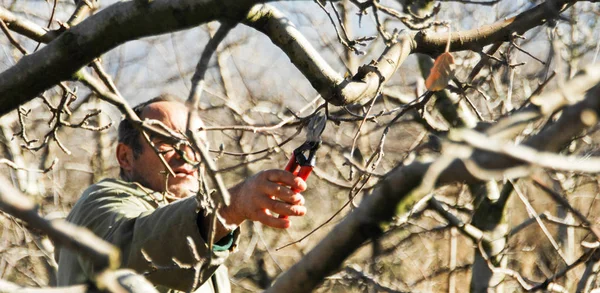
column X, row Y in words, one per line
column 228, row 217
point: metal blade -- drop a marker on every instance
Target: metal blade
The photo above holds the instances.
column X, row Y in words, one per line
column 315, row 126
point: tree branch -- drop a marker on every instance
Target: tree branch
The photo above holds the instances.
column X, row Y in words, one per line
column 103, row 254
column 500, row 31
column 125, row 21
column 105, row 257
column 392, row 196
column 115, row 25
column 329, row 83
column 26, row 27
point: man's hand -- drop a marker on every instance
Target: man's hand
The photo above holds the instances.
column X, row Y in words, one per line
column 267, row 191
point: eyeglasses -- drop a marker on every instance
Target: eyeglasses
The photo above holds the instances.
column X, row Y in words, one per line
column 181, row 147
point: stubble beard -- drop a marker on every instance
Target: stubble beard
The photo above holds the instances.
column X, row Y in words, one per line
column 183, row 187
column 176, row 187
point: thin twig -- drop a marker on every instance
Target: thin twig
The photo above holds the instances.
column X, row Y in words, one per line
column 549, row 281
column 49, row 22
column 266, row 150
column 17, row 167
column 527, row 53
column 540, row 88
column 193, row 102
column 10, row 37
column 267, row 128
column 565, row 203
column 355, row 139
column 534, row 214
column 330, row 218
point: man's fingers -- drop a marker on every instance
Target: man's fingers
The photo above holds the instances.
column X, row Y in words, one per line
column 283, row 208
column 286, row 178
column 274, row 191
column 273, row 222
column 293, row 198
column 283, row 193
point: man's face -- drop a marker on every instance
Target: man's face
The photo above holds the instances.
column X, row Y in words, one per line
column 148, row 170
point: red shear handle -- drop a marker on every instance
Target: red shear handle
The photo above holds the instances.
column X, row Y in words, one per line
column 300, row 171
column 292, row 165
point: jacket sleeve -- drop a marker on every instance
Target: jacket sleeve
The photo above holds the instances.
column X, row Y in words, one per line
column 129, row 223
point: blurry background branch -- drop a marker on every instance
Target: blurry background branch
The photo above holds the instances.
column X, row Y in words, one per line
column 104, row 256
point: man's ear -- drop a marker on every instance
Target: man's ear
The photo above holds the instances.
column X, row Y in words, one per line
column 125, row 157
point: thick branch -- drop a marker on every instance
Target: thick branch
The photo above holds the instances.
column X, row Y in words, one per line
column 8, row 287
column 329, row 83
column 115, row 25
column 105, row 257
column 500, row 31
column 15, row 203
column 122, row 281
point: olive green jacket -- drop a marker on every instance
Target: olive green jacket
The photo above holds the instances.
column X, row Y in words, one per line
column 134, row 218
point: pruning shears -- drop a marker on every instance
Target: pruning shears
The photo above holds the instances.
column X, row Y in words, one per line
column 303, row 158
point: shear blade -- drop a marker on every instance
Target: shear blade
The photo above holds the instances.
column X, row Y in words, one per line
column 315, row 127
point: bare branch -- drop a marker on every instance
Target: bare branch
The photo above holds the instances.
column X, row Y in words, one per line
column 25, row 27
column 356, row 274
column 17, row 167
column 103, row 254
column 467, row 229
column 89, row 40
column 361, row 87
column 399, row 190
column 563, row 201
column 8, row 287
column 476, row 39
column 533, row 213
column 529, row 155
column 10, row 37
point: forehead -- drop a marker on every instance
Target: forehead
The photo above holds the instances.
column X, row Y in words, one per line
column 172, row 114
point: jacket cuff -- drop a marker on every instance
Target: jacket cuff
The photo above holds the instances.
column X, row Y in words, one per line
column 228, row 243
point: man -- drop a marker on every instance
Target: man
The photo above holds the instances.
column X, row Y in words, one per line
column 147, row 211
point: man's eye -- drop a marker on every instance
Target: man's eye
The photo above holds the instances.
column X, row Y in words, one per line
column 164, row 151
column 163, row 147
